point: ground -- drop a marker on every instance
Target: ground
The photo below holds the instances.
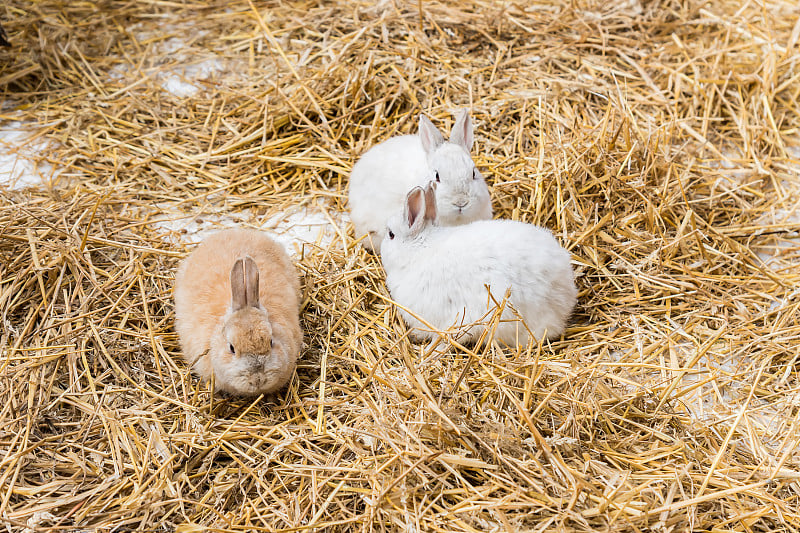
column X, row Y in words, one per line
column 658, row 139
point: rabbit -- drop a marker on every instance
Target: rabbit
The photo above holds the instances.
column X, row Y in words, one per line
column 383, row 176
column 237, row 302
column 441, row 273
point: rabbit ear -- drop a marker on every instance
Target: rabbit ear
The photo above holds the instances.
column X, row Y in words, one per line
column 238, row 293
column 251, row 281
column 244, row 284
column 429, row 135
column 462, row 130
column 430, row 201
column 415, row 207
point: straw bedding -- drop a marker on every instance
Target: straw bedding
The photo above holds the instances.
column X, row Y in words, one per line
column 658, row 139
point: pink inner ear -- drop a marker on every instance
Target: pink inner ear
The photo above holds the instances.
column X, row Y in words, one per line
column 430, row 202
column 251, row 281
column 415, row 204
column 238, row 287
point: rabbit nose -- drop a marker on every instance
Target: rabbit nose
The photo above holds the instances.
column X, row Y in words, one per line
column 258, row 364
column 461, row 203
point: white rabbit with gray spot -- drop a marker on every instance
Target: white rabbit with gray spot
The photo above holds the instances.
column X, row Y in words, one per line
column 381, row 179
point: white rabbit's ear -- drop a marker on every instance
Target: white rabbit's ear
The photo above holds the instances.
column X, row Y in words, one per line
column 462, row 130
column 251, row 281
column 415, row 209
column 430, row 202
column 238, row 286
column 431, row 137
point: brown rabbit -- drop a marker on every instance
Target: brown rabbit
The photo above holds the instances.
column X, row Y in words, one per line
column 244, row 332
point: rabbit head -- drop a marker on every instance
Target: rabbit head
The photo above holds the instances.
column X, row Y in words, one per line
column 419, row 213
column 461, row 195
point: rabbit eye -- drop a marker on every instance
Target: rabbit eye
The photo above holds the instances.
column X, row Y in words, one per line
column 271, row 343
column 437, row 176
column 230, row 347
column 474, row 173
column 391, row 234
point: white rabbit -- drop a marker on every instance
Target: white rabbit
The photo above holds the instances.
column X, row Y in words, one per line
column 383, row 176
column 242, row 331
column 441, row 273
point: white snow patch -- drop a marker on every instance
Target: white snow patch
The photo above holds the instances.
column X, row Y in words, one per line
column 183, row 81
column 194, row 227
column 708, row 402
column 305, row 225
column 793, row 167
column 631, row 8
column 786, row 245
column 172, row 45
column 296, row 229
column 18, row 152
column 712, row 391
column 175, row 65
column 731, row 169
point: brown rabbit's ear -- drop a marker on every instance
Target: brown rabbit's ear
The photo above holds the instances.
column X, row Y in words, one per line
column 238, row 286
column 251, row 281
column 415, row 207
column 430, row 202
column 429, row 135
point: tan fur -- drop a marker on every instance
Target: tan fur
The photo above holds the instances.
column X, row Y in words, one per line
column 203, row 299
column 249, row 328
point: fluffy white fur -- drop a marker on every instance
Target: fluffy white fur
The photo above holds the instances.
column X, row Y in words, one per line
column 383, row 176
column 441, row 273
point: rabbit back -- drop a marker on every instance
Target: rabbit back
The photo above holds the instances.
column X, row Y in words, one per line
column 203, row 291
column 379, row 182
column 443, row 278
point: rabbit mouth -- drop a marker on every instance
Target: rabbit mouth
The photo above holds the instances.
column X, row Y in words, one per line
column 262, row 372
column 460, row 211
column 256, row 384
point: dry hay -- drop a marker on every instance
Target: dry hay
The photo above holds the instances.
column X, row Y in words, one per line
column 658, row 139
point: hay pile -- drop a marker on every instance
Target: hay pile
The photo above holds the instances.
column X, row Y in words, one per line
column 659, row 139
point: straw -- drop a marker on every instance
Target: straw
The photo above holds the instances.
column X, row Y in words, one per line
column 659, row 141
